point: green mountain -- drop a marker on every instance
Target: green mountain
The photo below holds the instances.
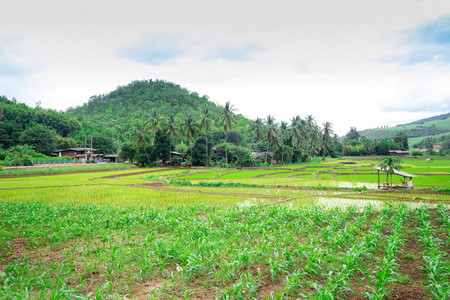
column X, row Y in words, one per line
column 416, row 131
column 114, row 114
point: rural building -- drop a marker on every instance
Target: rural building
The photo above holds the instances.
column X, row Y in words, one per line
column 398, row 153
column 74, row 152
column 172, row 155
column 259, row 154
column 85, row 153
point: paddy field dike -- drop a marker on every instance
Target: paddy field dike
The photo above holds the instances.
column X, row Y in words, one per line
column 308, row 231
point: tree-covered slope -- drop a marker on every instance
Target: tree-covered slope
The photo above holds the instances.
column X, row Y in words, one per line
column 16, row 118
column 114, row 114
column 422, row 128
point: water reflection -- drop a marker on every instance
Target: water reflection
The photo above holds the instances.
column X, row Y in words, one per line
column 331, row 202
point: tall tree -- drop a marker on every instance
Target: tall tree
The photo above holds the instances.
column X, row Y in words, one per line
column 313, row 132
column 206, row 124
column 190, row 129
column 140, row 138
column 227, row 121
column 327, row 132
column 154, row 120
column 283, row 133
column 172, row 130
column 353, row 134
column 257, row 127
column 42, row 138
column 296, row 134
column 402, row 139
column 271, row 135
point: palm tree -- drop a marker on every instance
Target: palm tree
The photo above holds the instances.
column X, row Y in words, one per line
column 206, row 124
column 313, row 133
column 257, row 127
column 140, row 138
column 172, row 130
column 190, row 129
column 283, row 133
column 271, row 134
column 327, row 132
column 315, row 136
column 226, row 120
column 154, row 120
column 295, row 132
column 155, row 123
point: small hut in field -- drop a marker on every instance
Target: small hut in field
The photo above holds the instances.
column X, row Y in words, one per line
column 405, row 178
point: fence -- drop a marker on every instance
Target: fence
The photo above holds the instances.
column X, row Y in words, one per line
column 55, row 162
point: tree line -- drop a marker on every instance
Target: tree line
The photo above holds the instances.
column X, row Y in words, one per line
column 204, row 139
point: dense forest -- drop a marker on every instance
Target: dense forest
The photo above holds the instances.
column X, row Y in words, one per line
column 145, row 120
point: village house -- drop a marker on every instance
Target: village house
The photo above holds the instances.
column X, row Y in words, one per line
column 398, row 153
column 83, row 154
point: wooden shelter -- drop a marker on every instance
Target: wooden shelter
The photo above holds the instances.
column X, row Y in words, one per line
column 172, row 155
column 407, row 180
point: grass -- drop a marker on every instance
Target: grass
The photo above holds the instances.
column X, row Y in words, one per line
column 57, row 169
column 211, row 252
column 98, row 235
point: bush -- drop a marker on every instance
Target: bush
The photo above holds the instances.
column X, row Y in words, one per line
column 176, row 161
column 26, row 162
column 417, row 153
column 16, row 162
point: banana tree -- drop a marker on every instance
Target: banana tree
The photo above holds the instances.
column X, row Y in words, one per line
column 390, row 164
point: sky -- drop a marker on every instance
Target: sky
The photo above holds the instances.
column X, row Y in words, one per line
column 354, row 63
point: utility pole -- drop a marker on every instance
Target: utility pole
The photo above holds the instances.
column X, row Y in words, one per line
column 85, row 148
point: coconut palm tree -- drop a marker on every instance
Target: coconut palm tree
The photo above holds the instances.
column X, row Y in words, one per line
column 227, row 121
column 283, row 133
column 140, row 138
column 257, row 127
column 271, row 134
column 172, row 130
column 190, row 129
column 154, row 121
column 327, row 132
column 314, row 139
column 296, row 133
column 206, row 124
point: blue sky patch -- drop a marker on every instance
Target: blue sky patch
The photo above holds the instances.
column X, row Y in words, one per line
column 430, row 43
column 235, row 53
column 155, row 50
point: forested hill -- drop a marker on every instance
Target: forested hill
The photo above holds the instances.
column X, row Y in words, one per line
column 114, row 114
column 422, row 128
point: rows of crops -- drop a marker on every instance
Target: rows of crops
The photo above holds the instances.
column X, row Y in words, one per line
column 313, row 231
column 89, row 251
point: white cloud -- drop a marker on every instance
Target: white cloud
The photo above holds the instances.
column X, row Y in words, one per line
column 283, row 58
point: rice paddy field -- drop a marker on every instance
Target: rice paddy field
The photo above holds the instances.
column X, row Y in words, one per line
column 308, row 231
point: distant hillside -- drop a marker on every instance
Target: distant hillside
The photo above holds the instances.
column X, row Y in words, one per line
column 114, row 114
column 423, row 128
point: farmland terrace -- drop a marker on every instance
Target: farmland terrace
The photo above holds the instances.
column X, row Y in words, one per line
column 309, row 231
